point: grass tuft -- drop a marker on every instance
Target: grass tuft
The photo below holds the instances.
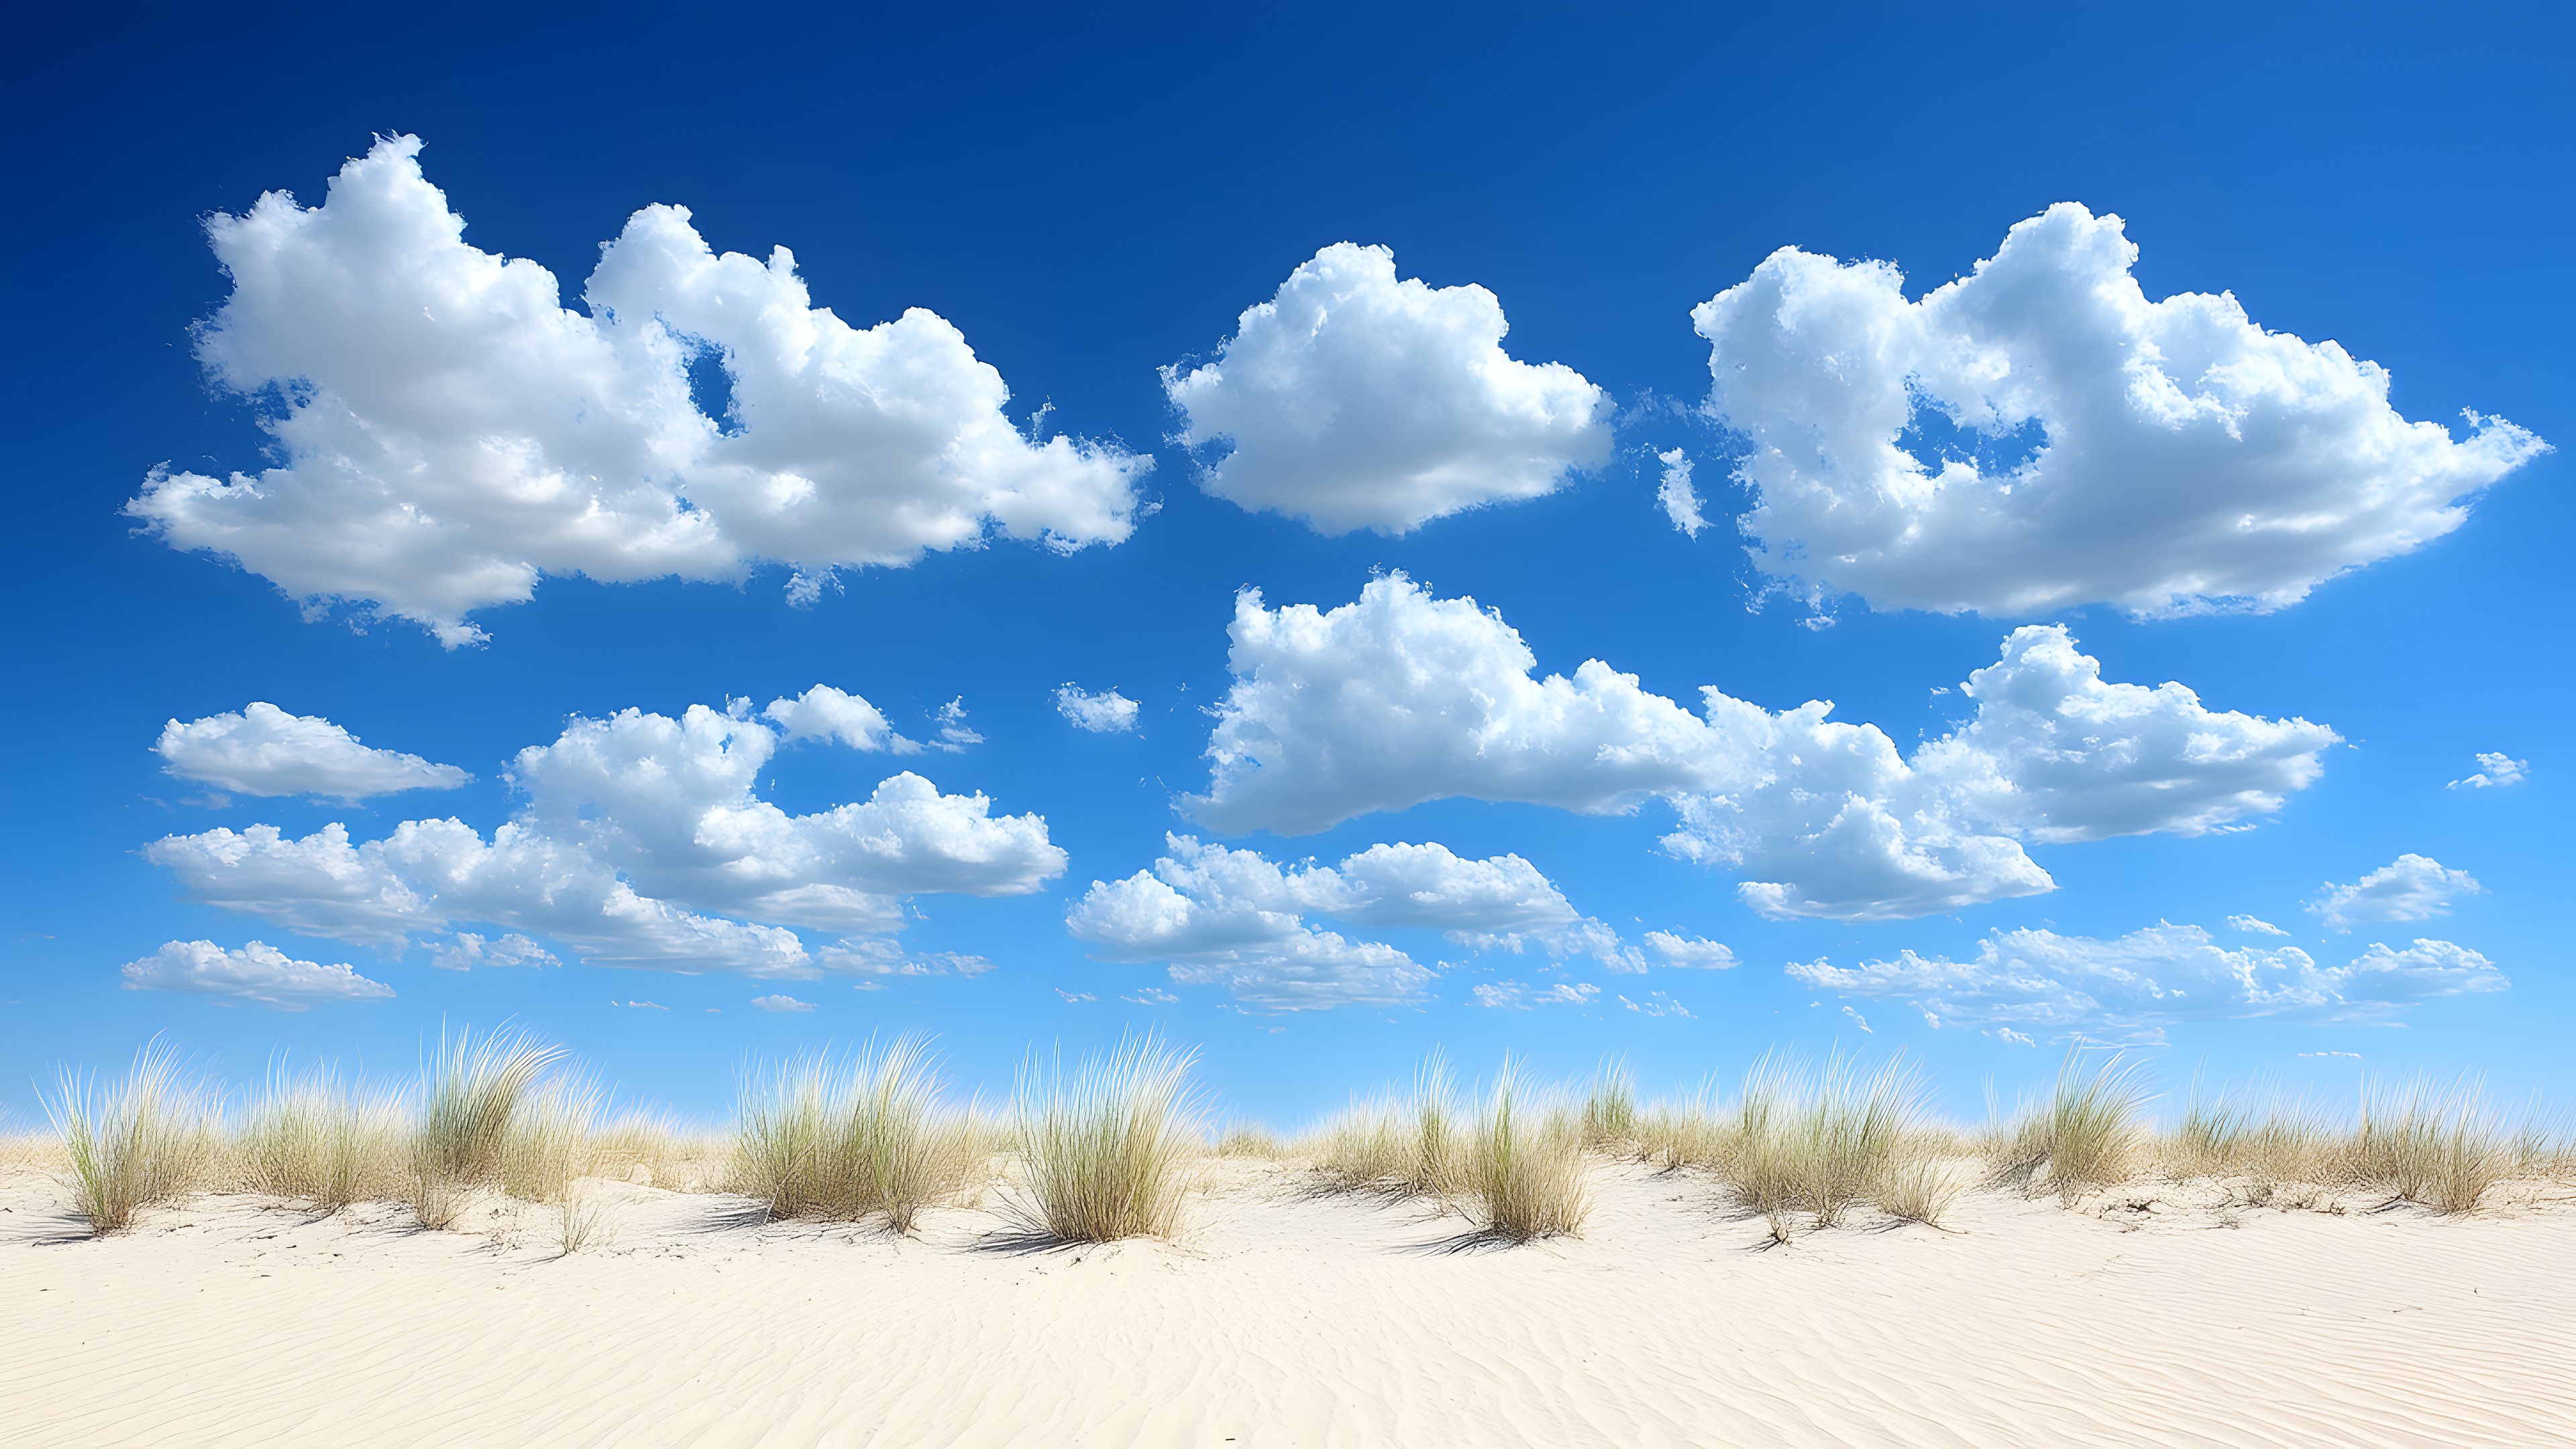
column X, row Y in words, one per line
column 317, row 1139
column 472, row 1095
column 1105, row 1149
column 1524, row 1162
column 2086, row 1134
column 1823, row 1146
column 150, row 1139
column 848, row 1140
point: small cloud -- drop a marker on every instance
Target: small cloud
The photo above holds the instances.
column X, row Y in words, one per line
column 1858, row 1020
column 1071, row 997
column 2494, row 771
column 1516, row 996
column 2409, row 888
column 1657, row 1003
column 641, row 1005
column 1151, row 996
column 464, row 951
column 2007, row 1034
column 1691, row 951
column 1680, row 499
column 781, row 1003
column 2356, row 1056
column 1109, row 713
column 2255, row 926
column 954, row 736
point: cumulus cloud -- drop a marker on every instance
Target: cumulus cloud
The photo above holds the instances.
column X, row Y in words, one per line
column 265, row 751
column 1680, row 499
column 1521, row 996
column 781, row 1003
column 2410, row 888
column 465, row 950
column 449, row 431
column 1352, row 400
column 1691, row 951
column 2494, row 771
column 1400, row 698
column 639, row 842
column 1237, row 918
column 2039, row 434
column 2133, row 986
column 1106, row 713
column 257, row 972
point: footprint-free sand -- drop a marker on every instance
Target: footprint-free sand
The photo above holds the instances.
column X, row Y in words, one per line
column 1288, row 1319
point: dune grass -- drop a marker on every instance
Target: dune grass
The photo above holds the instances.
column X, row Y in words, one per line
column 853, row 1139
column 490, row 1118
column 1106, row 1149
column 149, row 1139
column 315, row 1138
column 2087, row 1133
column 1610, row 1110
column 1413, row 1145
column 1249, row 1139
column 1823, row 1145
column 1524, row 1161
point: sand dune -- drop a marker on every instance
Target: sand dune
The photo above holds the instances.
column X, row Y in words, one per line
column 1284, row 1319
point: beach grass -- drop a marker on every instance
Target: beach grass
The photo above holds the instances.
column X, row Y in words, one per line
column 152, row 1137
column 1524, row 1161
column 851, row 1139
column 1105, row 1149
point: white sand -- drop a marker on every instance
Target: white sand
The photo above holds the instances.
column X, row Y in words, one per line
column 1286, row 1320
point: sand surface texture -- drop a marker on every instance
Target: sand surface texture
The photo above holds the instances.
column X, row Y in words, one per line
column 1290, row 1320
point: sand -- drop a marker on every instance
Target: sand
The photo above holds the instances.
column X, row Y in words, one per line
column 1290, row 1320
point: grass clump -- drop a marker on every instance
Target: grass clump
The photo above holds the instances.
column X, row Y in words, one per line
column 483, row 1123
column 317, row 1139
column 2441, row 1149
column 1249, row 1139
column 2086, row 1134
column 848, row 1140
column 1105, row 1149
column 1825, row 1145
column 150, row 1139
column 1524, row 1163
column 1411, row 1146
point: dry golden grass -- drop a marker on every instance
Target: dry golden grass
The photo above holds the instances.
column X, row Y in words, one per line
column 1249, row 1139
column 319, row 1140
column 151, row 1138
column 1821, row 1146
column 849, row 1140
column 33, row 1152
column 1610, row 1110
column 488, row 1117
column 1106, row 1149
column 1403, row 1146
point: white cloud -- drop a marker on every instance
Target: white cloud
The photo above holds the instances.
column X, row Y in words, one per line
column 1858, row 1020
column 1400, row 698
column 1106, row 713
column 1353, row 400
column 825, row 713
column 2494, row 770
column 1234, row 917
column 1657, row 1003
column 645, row 1005
column 465, row 950
column 954, row 735
column 639, row 837
column 257, row 972
column 2039, row 435
column 1074, row 997
column 1680, row 499
column 781, row 1003
column 2410, row 888
column 265, row 751
column 2136, row 984
column 1151, row 996
column 1520, row 996
column 1691, row 951
column 450, row 431
column 2255, row 926
column 864, row 957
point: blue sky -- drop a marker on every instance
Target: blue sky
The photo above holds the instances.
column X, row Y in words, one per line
column 2165, row 491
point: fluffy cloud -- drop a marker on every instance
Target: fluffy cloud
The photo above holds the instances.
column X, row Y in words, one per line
column 1400, row 698
column 2133, row 986
column 1679, row 498
column 1691, row 951
column 781, row 1003
column 640, row 838
column 450, row 431
column 2255, row 926
column 1107, row 713
column 1237, row 918
column 257, row 972
column 1353, row 400
column 2494, row 770
column 2409, row 888
column 265, row 751
column 2038, row 435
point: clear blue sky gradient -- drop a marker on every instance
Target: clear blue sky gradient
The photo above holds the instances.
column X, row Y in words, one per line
column 1089, row 197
